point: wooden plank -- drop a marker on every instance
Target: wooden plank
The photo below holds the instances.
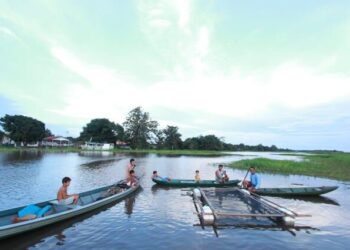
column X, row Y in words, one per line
column 244, row 215
column 248, row 215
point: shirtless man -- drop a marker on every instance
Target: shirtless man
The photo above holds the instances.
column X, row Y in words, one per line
column 220, row 175
column 63, row 197
column 132, row 180
column 131, row 166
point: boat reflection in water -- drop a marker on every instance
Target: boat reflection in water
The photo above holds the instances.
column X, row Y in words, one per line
column 130, row 202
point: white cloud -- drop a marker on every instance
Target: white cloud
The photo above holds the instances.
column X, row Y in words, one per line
column 203, row 41
column 159, row 23
column 290, row 85
column 183, row 8
column 8, row 32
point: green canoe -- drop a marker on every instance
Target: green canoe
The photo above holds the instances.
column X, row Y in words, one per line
column 88, row 201
column 193, row 183
column 296, row 191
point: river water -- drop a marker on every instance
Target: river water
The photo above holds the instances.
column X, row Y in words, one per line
column 158, row 218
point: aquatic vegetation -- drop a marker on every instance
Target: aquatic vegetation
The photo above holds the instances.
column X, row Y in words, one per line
column 330, row 165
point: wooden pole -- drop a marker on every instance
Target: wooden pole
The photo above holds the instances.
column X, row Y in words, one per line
column 245, row 215
column 245, row 178
column 208, row 203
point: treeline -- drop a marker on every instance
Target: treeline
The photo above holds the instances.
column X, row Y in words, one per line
column 138, row 131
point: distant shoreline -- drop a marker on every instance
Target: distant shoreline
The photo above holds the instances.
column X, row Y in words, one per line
column 131, row 151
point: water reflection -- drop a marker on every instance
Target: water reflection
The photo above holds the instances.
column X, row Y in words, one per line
column 129, row 202
column 20, row 156
column 317, row 199
column 96, row 153
column 155, row 188
column 99, row 163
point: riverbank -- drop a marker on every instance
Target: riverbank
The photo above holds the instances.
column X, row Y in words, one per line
column 329, row 165
column 129, row 151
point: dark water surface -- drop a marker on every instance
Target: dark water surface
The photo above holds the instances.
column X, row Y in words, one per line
column 158, row 218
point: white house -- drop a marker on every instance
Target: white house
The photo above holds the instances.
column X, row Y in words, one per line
column 56, row 141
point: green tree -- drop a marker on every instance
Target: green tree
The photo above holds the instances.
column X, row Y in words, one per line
column 48, row 132
column 208, row 142
column 191, row 143
column 172, row 138
column 159, row 139
column 102, row 130
column 140, row 130
column 23, row 129
column 1, row 135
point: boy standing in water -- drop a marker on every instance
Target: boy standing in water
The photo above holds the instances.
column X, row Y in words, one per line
column 62, row 195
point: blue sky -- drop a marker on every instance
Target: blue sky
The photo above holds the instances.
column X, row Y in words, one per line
column 270, row 72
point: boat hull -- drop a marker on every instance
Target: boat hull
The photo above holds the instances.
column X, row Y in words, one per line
column 18, row 228
column 295, row 191
column 193, row 183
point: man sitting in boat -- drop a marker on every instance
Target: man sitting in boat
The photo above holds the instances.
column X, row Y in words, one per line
column 254, row 182
column 62, row 195
column 197, row 176
column 220, row 175
column 132, row 180
column 158, row 177
column 131, row 166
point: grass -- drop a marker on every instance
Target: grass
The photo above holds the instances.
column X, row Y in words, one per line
column 329, row 165
column 129, row 151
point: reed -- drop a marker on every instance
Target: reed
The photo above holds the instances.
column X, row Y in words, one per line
column 329, row 165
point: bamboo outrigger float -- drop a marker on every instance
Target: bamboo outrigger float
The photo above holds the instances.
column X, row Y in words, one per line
column 88, row 201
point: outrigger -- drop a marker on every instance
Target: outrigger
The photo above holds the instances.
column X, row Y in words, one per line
column 234, row 207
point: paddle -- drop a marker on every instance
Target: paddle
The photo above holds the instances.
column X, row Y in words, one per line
column 245, row 178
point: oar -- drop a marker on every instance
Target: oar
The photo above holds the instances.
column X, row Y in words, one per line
column 245, row 178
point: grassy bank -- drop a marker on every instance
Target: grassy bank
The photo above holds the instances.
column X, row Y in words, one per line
column 131, row 151
column 173, row 152
column 330, row 165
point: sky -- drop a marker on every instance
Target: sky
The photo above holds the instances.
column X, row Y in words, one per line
column 275, row 72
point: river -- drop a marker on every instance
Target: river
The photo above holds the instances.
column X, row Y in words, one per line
column 157, row 218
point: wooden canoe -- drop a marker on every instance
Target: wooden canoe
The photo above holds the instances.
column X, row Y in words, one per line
column 296, row 191
column 193, row 183
column 88, row 201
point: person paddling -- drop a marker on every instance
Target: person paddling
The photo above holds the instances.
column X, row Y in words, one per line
column 254, row 182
